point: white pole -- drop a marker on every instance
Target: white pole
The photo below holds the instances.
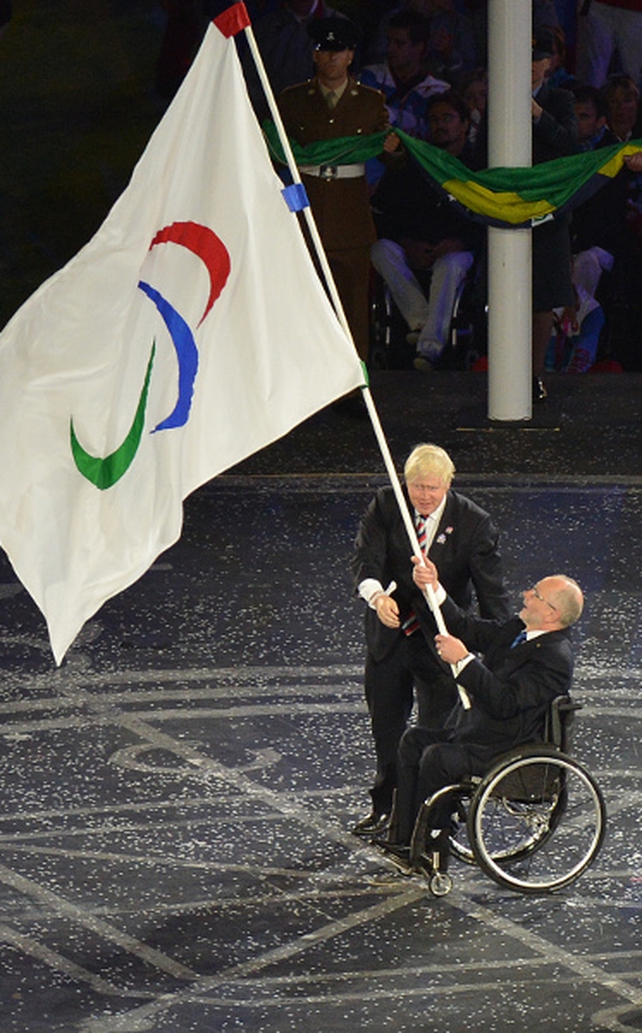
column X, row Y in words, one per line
column 408, row 522
column 296, row 178
column 367, row 396
column 509, row 251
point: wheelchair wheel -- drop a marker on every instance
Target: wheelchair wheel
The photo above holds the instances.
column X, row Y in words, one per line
column 536, row 821
column 440, row 884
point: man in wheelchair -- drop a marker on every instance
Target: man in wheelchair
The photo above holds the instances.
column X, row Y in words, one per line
column 527, row 663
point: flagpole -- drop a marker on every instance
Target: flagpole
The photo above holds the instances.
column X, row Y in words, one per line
column 336, row 300
column 296, row 178
column 409, row 524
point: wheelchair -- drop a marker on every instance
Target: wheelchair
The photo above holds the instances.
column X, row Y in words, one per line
column 468, row 334
column 533, row 823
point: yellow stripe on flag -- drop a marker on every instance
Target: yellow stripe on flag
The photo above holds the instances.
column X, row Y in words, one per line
column 507, row 206
column 613, row 166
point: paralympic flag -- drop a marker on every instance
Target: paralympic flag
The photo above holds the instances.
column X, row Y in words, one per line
column 190, row 332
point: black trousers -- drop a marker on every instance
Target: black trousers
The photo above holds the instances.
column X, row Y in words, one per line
column 409, row 668
column 428, row 761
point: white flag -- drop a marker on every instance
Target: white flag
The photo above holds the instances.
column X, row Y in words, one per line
column 190, row 332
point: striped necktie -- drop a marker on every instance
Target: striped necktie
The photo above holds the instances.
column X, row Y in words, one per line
column 411, row 623
column 422, row 524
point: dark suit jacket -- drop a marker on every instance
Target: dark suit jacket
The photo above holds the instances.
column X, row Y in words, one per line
column 407, row 206
column 341, row 207
column 555, row 135
column 511, row 691
column 464, row 551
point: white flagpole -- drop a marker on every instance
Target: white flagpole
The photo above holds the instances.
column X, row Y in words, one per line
column 336, row 300
column 296, row 178
column 409, row 524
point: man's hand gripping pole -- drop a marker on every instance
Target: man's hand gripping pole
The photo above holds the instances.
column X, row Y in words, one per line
column 443, row 630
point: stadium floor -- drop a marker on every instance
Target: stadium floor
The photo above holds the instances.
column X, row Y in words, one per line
column 178, row 795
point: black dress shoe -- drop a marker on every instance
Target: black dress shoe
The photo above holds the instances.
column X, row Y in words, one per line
column 372, row 825
column 397, row 850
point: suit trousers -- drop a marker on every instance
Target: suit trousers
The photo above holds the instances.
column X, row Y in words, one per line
column 428, row 761
column 410, row 667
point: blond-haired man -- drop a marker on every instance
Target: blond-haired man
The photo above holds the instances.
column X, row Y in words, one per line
column 401, row 659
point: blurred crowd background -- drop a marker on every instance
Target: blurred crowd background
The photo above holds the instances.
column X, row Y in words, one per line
column 84, row 82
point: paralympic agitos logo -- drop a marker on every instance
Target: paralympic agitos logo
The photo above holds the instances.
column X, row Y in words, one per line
column 105, row 471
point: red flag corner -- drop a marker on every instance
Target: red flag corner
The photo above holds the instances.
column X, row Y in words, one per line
column 233, row 20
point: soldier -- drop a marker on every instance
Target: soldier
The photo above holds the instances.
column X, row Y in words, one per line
column 331, row 105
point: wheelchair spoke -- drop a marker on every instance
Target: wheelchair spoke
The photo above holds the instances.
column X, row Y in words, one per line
column 537, row 822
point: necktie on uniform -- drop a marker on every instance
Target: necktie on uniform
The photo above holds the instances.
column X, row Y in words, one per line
column 331, row 99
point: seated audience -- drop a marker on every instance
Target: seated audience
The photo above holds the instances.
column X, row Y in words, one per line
column 590, row 112
column 426, row 244
column 473, row 90
column 554, row 136
column 576, row 335
column 622, row 97
column 402, row 77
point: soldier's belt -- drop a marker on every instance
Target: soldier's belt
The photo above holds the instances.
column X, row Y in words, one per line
column 334, row 171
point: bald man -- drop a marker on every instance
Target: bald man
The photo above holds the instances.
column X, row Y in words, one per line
column 527, row 662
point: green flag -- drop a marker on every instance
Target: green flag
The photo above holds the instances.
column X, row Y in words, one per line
column 508, row 198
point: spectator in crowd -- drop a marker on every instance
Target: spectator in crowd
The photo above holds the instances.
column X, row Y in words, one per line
column 451, row 48
column 399, row 626
column 576, row 335
column 473, row 89
column 426, row 244
column 590, row 113
column 554, row 135
column 598, row 226
column 604, row 27
column 372, row 18
column 402, row 78
column 622, row 100
column 558, row 74
column 334, row 105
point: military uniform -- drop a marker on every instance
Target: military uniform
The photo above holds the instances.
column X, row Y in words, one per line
column 338, row 195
